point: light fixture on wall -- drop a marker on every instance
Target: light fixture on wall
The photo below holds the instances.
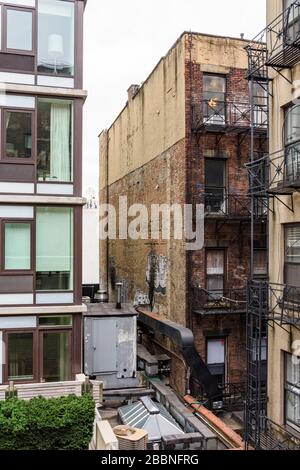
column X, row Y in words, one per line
column 55, row 48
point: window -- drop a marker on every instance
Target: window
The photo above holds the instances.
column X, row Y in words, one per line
column 292, row 143
column 292, row 390
column 54, row 249
column 56, row 37
column 260, row 261
column 215, row 260
column 292, row 125
column 55, row 140
column 19, row 26
column 215, row 185
column 292, row 255
column 18, row 134
column 216, row 357
column 214, row 93
column 20, row 356
column 291, row 20
column 56, row 355
column 17, row 246
column 260, row 103
column 62, row 320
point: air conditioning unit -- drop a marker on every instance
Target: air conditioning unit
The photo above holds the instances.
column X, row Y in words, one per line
column 131, row 438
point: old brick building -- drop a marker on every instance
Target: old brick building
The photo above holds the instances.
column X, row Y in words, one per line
column 184, row 137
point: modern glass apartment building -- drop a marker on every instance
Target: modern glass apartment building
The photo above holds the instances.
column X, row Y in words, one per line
column 41, row 100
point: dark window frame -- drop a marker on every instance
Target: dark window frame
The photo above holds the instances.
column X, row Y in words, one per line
column 74, row 159
column 4, row 47
column 225, row 178
column 76, row 28
column 6, row 334
column 37, row 333
column 41, row 333
column 24, row 161
column 17, row 272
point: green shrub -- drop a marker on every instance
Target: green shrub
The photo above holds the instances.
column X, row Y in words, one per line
column 56, row 424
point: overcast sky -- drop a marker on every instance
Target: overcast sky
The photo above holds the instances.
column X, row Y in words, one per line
column 124, row 40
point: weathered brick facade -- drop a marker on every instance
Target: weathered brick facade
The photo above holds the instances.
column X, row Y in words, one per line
column 177, row 175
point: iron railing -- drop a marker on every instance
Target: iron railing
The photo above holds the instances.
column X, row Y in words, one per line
column 225, row 300
column 278, row 45
column 222, row 203
column 276, row 437
column 277, row 173
column 226, row 115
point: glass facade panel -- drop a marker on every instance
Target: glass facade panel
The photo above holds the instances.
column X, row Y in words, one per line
column 56, row 356
column 62, row 320
column 56, row 37
column 54, row 249
column 18, row 134
column 20, row 356
column 17, row 246
column 55, row 140
column 19, row 30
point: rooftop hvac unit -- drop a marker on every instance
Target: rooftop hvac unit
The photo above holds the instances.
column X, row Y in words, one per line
column 131, row 438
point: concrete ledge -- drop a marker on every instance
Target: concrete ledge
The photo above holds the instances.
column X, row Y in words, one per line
column 5, row 311
column 51, row 200
column 43, row 90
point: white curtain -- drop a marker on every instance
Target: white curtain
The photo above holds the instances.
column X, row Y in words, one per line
column 60, row 166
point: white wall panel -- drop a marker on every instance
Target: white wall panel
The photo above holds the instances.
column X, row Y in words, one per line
column 55, row 298
column 17, row 188
column 16, row 299
column 20, row 78
column 16, row 212
column 7, row 323
column 60, row 82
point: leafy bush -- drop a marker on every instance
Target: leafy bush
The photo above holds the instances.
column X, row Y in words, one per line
column 56, row 424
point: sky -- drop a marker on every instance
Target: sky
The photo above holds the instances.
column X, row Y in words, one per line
column 125, row 39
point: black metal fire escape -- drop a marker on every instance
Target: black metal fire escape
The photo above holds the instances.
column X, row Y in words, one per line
column 271, row 177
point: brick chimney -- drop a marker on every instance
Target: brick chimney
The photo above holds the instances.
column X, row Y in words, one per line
column 132, row 91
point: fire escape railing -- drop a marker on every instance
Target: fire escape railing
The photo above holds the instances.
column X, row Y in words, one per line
column 278, row 45
column 229, row 205
column 275, row 437
column 277, row 173
column 228, row 116
column 228, row 300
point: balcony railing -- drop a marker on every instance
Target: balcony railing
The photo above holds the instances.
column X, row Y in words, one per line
column 278, row 45
column 227, row 116
column 219, row 301
column 275, row 302
column 278, row 173
column 276, row 437
column 230, row 206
